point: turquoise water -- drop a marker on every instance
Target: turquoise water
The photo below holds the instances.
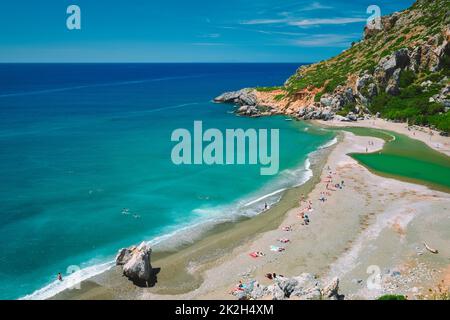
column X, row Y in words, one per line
column 79, row 143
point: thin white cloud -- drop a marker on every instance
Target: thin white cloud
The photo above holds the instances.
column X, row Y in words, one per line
column 315, row 6
column 296, row 34
column 268, row 32
column 264, row 21
column 330, row 21
column 295, row 7
column 304, row 22
column 325, row 40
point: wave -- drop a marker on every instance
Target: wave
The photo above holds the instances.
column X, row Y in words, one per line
column 265, row 197
column 208, row 217
column 70, row 281
column 329, row 143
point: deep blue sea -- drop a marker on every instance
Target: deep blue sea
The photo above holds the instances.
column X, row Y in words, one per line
column 85, row 163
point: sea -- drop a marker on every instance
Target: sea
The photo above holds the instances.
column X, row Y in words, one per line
column 86, row 168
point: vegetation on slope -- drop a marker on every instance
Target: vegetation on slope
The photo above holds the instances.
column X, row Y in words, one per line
column 425, row 23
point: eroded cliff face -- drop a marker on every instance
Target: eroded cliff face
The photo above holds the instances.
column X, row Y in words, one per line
column 407, row 57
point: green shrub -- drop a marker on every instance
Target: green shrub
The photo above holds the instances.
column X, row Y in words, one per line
column 318, row 96
column 392, row 297
column 379, row 103
column 406, row 30
column 407, row 77
column 267, row 89
column 399, row 41
column 440, row 121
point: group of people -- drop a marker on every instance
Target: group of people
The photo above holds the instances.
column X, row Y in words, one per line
column 370, row 144
column 126, row 212
column 304, row 215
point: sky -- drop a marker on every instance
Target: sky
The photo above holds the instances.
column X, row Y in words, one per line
column 184, row 31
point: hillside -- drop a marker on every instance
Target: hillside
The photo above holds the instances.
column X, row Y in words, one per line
column 399, row 72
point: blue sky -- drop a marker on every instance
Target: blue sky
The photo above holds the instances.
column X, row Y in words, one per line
column 183, row 31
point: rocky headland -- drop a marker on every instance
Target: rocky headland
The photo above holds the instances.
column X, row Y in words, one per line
column 399, row 72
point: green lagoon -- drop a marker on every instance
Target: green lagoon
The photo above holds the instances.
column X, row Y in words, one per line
column 405, row 159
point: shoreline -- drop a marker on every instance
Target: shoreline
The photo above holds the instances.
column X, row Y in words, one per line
column 176, row 277
column 197, row 272
column 328, row 247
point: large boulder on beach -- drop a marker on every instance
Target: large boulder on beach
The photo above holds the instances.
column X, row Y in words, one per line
column 124, row 255
column 287, row 285
column 135, row 262
column 331, row 290
column 309, row 293
column 275, row 292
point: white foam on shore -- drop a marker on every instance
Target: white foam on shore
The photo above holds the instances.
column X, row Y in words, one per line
column 70, row 281
column 264, row 197
column 208, row 217
column 329, row 143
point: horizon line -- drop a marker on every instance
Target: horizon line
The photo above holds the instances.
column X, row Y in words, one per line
column 124, row 62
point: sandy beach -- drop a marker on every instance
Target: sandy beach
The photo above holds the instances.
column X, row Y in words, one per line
column 372, row 226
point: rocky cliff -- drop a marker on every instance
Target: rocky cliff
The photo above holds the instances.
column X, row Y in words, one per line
column 398, row 71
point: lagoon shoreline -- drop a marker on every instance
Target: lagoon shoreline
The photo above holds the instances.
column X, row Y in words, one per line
column 381, row 212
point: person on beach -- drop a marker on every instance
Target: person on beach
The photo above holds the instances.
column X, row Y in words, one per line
column 273, row 276
column 265, row 206
column 306, row 219
column 59, row 276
